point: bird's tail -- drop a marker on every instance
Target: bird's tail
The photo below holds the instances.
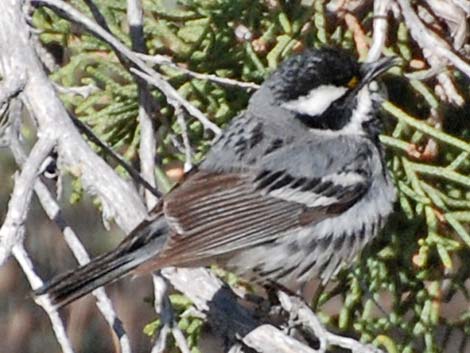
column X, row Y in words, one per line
column 140, row 245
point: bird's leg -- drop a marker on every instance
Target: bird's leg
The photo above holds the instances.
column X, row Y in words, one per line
column 313, row 332
column 305, row 318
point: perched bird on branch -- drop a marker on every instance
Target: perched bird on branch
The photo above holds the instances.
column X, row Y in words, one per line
column 293, row 188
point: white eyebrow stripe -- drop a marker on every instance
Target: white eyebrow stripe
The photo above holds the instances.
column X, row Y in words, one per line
column 317, row 101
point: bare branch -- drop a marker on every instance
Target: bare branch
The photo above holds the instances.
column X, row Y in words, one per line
column 188, row 164
column 18, row 58
column 455, row 18
column 173, row 97
column 109, row 151
column 57, row 325
column 12, row 230
column 380, row 29
column 53, row 211
column 180, row 101
column 10, row 88
column 148, row 143
column 211, row 296
column 84, row 91
column 267, row 339
column 231, row 320
column 165, row 60
column 302, row 315
column 426, row 39
column 164, row 310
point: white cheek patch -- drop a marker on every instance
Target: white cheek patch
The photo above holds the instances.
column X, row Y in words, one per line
column 317, row 101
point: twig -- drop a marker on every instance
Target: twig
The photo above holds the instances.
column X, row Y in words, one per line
column 179, row 101
column 54, row 213
column 463, row 4
column 164, row 310
column 187, row 145
column 97, row 141
column 148, row 143
column 12, row 230
column 267, row 339
column 380, row 29
column 10, row 88
column 455, row 18
column 428, row 40
column 97, row 15
column 18, row 58
column 46, row 58
column 57, row 325
column 216, row 300
column 84, row 91
column 150, row 75
column 165, row 60
column 304, row 316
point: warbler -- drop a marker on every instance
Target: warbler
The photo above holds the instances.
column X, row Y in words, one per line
column 293, row 188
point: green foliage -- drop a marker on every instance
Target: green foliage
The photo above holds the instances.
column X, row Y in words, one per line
column 422, row 257
column 190, row 325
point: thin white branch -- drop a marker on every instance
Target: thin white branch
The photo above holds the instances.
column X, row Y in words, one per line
column 380, row 28
column 426, row 39
column 10, row 88
column 231, row 320
column 12, row 230
column 53, row 211
column 455, row 18
column 84, row 91
column 164, row 310
column 165, row 60
column 211, row 296
column 302, row 315
column 173, row 97
column 57, row 325
column 148, row 143
column 268, row 339
column 46, row 58
column 463, row 4
column 178, row 101
column 188, row 164
column 17, row 58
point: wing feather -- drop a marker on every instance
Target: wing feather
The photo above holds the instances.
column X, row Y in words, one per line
column 214, row 214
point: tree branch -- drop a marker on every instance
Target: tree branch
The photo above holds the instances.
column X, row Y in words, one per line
column 148, row 143
column 173, row 97
column 428, row 40
column 379, row 35
column 53, row 211
column 57, row 325
column 10, row 88
column 18, row 59
column 12, row 230
column 165, row 311
column 165, row 60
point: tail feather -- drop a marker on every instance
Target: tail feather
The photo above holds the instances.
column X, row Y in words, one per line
column 142, row 244
column 69, row 286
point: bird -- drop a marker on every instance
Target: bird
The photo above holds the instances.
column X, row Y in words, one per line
column 292, row 189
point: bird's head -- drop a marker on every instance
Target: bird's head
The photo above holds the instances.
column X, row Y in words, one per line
column 326, row 88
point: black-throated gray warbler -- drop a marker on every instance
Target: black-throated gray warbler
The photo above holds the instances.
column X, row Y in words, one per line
column 293, row 188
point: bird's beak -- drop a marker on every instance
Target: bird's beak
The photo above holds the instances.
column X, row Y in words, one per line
column 372, row 70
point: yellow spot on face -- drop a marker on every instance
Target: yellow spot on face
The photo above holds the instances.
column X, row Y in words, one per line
column 353, row 82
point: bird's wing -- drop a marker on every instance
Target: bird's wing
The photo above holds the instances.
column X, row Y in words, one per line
column 216, row 213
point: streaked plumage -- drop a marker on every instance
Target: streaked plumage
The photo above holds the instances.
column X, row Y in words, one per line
column 287, row 192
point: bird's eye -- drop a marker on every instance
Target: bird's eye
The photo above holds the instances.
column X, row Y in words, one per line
column 353, row 82
column 317, row 101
